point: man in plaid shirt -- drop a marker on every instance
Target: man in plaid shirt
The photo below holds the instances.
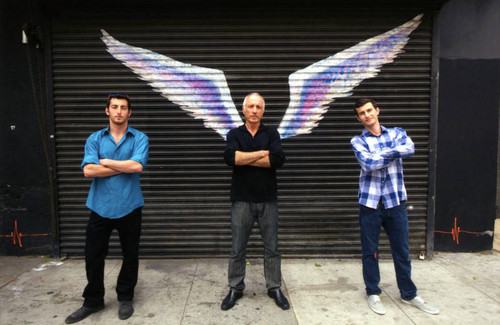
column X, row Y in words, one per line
column 382, row 194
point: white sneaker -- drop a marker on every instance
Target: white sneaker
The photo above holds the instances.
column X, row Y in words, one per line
column 375, row 304
column 422, row 305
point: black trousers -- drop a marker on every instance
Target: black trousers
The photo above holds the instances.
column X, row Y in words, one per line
column 96, row 248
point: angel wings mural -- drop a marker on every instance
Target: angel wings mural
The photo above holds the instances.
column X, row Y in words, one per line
column 204, row 93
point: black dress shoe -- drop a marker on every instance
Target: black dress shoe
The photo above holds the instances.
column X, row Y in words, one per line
column 125, row 310
column 230, row 299
column 279, row 298
column 82, row 313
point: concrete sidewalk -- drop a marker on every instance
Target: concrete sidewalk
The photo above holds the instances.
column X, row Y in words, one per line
column 465, row 286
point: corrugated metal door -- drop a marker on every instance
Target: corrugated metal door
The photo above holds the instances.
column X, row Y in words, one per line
column 186, row 184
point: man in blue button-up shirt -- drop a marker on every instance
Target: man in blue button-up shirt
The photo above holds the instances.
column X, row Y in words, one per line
column 114, row 157
column 381, row 197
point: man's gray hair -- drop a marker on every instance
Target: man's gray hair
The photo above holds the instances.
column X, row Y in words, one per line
column 255, row 94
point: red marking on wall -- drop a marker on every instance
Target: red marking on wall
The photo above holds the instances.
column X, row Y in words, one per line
column 455, row 232
column 16, row 235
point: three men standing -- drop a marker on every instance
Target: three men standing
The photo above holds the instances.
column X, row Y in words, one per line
column 254, row 151
column 115, row 156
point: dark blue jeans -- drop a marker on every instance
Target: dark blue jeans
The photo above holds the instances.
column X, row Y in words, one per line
column 395, row 223
column 96, row 248
column 243, row 217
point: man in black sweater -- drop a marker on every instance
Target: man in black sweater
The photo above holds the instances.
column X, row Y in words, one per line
column 254, row 151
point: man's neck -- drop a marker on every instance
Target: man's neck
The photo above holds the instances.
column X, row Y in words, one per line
column 376, row 129
column 252, row 127
column 118, row 130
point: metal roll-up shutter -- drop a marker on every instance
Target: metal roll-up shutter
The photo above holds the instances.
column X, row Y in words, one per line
column 186, row 183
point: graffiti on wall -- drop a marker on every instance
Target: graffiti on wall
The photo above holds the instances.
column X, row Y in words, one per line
column 16, row 236
column 204, row 92
column 455, row 232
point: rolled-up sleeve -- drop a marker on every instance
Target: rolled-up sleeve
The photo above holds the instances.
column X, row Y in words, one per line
column 91, row 155
column 141, row 149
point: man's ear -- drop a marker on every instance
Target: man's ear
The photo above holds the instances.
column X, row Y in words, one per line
column 107, row 111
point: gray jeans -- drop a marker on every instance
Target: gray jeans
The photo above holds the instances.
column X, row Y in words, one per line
column 243, row 217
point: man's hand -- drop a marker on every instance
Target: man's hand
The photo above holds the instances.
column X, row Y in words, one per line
column 104, row 162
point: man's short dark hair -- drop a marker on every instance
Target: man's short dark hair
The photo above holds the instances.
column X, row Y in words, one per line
column 363, row 101
column 119, row 96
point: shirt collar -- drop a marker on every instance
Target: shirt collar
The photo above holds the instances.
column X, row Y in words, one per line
column 129, row 130
column 244, row 128
column 367, row 133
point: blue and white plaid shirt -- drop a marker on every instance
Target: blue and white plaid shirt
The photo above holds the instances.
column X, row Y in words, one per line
column 381, row 163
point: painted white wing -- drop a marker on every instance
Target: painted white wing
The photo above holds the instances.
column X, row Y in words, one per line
column 202, row 92
column 315, row 87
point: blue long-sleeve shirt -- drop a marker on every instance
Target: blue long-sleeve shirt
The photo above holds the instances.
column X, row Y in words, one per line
column 381, row 163
column 116, row 196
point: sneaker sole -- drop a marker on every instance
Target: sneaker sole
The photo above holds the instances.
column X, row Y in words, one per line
column 425, row 311
column 378, row 312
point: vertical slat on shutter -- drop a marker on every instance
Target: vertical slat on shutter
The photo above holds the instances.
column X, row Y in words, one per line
column 186, row 183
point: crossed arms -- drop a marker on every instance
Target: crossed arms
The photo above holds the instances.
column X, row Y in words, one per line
column 254, row 158
column 239, row 151
column 110, row 167
column 134, row 162
column 370, row 161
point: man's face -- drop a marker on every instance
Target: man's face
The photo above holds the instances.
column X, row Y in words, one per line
column 118, row 111
column 368, row 115
column 253, row 109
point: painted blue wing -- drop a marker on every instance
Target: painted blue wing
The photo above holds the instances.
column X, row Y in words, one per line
column 202, row 92
column 315, row 87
